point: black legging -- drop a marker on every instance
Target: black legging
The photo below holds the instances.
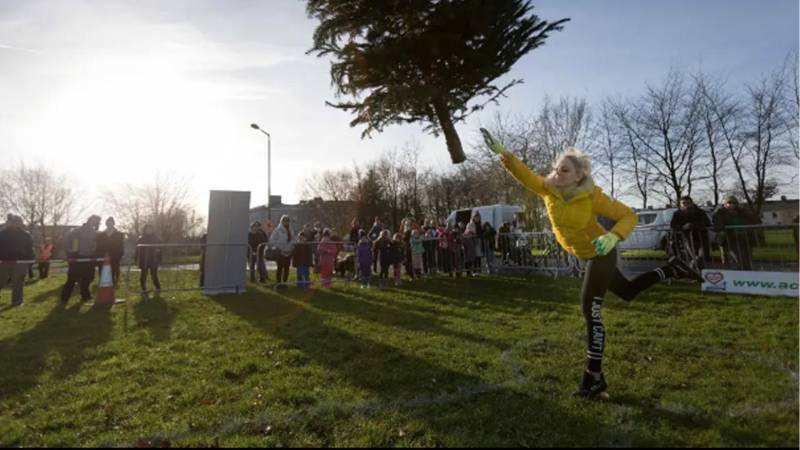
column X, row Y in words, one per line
column 44, row 270
column 257, row 262
column 282, row 275
column 384, row 271
column 115, row 269
column 153, row 270
column 81, row 273
column 603, row 275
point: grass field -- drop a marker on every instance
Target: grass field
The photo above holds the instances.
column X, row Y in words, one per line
column 469, row 362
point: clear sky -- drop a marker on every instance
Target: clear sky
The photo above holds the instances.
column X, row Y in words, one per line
column 112, row 91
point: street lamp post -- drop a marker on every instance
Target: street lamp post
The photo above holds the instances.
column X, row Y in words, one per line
column 269, row 170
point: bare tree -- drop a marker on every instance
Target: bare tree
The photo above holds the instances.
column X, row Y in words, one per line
column 792, row 106
column 764, row 127
column 563, row 124
column 391, row 173
column 39, row 195
column 665, row 128
column 636, row 166
column 333, row 185
column 715, row 122
column 163, row 203
column 607, row 150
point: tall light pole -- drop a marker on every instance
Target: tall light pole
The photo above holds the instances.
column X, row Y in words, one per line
column 269, row 169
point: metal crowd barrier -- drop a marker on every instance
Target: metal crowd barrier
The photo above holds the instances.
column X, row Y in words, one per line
column 536, row 252
column 438, row 257
column 462, row 256
column 750, row 248
column 51, row 261
column 177, row 267
column 760, row 248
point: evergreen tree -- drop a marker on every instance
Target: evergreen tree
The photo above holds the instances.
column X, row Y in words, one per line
column 408, row 61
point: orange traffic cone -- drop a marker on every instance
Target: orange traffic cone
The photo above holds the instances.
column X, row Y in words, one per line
column 105, row 290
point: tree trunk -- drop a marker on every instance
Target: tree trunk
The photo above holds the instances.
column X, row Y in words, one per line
column 451, row 136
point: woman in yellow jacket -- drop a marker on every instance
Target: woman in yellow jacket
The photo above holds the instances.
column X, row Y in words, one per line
column 573, row 203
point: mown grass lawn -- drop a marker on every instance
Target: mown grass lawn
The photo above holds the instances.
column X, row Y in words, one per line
column 469, row 362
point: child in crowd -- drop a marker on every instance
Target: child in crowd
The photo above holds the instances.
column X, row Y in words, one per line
column 417, row 252
column 430, row 249
column 364, row 258
column 302, row 259
column 385, row 253
column 399, row 252
column 469, row 241
column 456, row 247
column 443, row 255
column 327, row 257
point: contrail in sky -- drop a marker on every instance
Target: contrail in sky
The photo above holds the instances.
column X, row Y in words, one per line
column 21, row 49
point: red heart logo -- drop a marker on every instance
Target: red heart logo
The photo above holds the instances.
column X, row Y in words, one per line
column 714, row 277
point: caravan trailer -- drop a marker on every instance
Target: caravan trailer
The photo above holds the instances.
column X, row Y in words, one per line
column 496, row 215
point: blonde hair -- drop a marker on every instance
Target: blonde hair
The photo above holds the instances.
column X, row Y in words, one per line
column 579, row 159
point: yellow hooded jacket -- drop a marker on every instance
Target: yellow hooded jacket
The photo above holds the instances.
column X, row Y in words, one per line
column 575, row 221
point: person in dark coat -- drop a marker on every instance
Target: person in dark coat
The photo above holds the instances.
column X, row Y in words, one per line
column 255, row 238
column 407, row 226
column 303, row 257
column 111, row 242
column 398, row 251
column 386, row 253
column 473, row 256
column 505, row 242
column 488, row 245
column 376, row 230
column 204, row 241
column 374, row 235
column 16, row 244
column 81, row 249
column 692, row 224
column 735, row 243
column 148, row 258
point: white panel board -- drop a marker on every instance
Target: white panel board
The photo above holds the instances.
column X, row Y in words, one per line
column 226, row 244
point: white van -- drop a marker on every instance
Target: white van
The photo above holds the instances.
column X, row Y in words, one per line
column 652, row 230
column 496, row 215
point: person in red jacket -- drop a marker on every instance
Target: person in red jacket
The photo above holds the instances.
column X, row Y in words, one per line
column 45, row 254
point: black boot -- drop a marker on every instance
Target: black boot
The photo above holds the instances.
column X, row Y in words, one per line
column 590, row 386
column 683, row 270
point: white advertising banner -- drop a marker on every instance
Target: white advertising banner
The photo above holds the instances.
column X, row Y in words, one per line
column 748, row 282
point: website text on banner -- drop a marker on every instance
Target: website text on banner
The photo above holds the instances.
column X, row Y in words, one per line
column 749, row 282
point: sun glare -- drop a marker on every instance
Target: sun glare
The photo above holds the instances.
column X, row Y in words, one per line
column 134, row 105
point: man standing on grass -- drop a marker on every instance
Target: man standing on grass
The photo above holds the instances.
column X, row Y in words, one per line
column 111, row 242
column 735, row 243
column 81, row 244
column 16, row 244
column 692, row 224
column 255, row 238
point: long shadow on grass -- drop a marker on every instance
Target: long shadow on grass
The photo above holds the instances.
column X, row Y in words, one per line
column 457, row 409
column 364, row 307
column 156, row 315
column 523, row 295
column 68, row 332
column 47, row 295
column 494, row 295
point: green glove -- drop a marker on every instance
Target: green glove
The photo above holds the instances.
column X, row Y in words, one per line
column 605, row 243
column 492, row 143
